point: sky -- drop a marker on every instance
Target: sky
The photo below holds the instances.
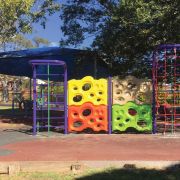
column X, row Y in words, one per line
column 52, row 32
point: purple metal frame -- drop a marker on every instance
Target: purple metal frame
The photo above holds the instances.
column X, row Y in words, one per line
column 65, row 101
column 167, row 46
column 34, row 100
column 109, row 104
column 34, row 64
column 153, row 96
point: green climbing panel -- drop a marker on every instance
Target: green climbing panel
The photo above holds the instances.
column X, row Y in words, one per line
column 131, row 115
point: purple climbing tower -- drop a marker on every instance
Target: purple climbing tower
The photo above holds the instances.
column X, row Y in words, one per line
column 49, row 95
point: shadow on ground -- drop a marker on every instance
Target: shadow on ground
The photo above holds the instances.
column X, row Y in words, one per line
column 133, row 173
column 15, row 116
column 18, row 121
column 27, row 131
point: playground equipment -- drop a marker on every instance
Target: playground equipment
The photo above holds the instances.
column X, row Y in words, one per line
column 90, row 104
column 95, row 104
column 131, row 89
column 49, row 95
column 166, row 88
column 131, row 115
column 86, row 116
column 131, row 108
column 87, row 104
column 87, row 90
column 109, row 105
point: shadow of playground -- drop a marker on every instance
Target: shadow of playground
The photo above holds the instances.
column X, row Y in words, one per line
column 16, row 116
column 133, row 173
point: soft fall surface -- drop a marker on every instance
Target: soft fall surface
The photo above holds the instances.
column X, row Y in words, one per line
column 78, row 147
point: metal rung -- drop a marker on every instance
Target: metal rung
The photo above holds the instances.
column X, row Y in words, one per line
column 51, row 85
column 52, row 118
column 46, row 126
column 49, row 75
column 46, row 94
column 46, row 109
column 55, row 103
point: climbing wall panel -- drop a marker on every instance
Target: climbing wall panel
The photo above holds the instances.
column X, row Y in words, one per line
column 87, row 90
column 131, row 89
column 87, row 116
column 131, row 115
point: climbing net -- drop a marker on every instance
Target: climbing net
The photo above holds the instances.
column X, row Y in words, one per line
column 166, row 88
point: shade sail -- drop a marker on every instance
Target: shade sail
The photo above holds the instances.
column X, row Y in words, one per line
column 80, row 63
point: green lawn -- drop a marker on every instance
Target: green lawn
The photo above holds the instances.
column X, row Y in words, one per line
column 5, row 107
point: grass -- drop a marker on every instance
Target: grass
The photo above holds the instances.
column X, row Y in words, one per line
column 103, row 174
column 5, row 107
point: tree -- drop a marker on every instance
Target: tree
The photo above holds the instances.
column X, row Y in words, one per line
column 124, row 31
column 40, row 41
column 18, row 16
column 20, row 42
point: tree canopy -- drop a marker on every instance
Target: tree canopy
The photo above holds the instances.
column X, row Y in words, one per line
column 20, row 42
column 124, row 32
column 39, row 41
column 18, row 16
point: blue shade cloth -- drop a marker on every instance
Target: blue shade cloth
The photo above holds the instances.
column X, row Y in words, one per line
column 80, row 63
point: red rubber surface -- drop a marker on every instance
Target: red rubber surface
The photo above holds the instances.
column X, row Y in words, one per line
column 95, row 147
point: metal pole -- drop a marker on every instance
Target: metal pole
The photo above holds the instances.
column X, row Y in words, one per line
column 48, row 101
column 30, row 90
column 34, row 100
column 65, row 101
column 109, row 104
column 154, row 94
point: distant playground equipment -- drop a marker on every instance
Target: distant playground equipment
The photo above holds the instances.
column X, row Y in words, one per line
column 108, row 105
column 18, row 99
column 11, row 94
column 4, row 95
column 166, row 88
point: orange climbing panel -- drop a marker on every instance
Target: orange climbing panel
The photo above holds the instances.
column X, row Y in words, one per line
column 87, row 116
